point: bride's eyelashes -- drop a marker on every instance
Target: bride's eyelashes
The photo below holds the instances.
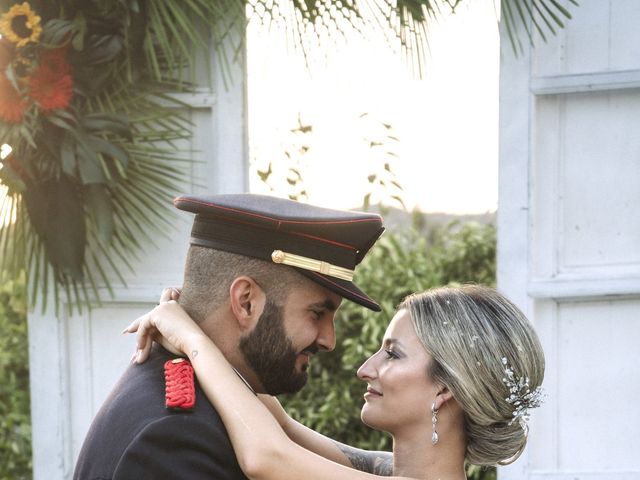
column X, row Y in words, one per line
column 391, row 354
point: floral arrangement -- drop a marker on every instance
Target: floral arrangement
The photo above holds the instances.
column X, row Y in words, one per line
column 86, row 109
column 43, row 76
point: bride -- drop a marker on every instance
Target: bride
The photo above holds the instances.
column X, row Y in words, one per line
column 455, row 377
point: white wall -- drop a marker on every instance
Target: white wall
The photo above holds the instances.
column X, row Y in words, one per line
column 75, row 360
column 569, row 236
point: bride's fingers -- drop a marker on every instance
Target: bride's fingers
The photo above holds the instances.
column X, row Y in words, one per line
column 170, row 293
column 133, row 326
column 165, row 296
column 144, row 339
column 145, row 330
column 143, row 350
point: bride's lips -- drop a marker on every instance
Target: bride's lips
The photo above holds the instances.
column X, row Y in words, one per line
column 372, row 393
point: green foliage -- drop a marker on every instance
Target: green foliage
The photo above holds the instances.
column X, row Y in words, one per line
column 400, row 264
column 15, row 422
column 285, row 174
column 468, row 254
column 384, row 187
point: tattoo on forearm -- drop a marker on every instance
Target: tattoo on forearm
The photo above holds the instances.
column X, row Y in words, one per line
column 378, row 463
column 194, row 353
column 358, row 461
column 383, row 465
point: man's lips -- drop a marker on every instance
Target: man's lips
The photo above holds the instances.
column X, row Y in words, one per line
column 307, row 353
column 311, row 350
column 305, row 356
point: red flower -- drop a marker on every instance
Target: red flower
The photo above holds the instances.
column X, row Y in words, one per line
column 56, row 61
column 51, row 84
column 12, row 105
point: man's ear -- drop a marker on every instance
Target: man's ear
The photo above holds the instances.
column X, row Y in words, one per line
column 247, row 301
column 443, row 396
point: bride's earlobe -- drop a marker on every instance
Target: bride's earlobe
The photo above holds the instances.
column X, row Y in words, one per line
column 442, row 397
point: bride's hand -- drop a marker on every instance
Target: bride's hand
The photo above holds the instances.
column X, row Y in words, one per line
column 169, row 325
column 170, row 293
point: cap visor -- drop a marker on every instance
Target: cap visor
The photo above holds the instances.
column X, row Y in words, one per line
column 344, row 288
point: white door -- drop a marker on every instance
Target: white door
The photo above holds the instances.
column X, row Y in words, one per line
column 569, row 236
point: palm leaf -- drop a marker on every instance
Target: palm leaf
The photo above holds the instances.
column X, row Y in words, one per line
column 544, row 15
column 398, row 22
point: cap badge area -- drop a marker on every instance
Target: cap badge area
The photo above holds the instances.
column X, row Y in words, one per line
column 306, row 263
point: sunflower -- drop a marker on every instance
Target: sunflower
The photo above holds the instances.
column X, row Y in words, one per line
column 20, row 25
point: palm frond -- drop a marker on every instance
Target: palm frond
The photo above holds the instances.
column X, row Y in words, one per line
column 540, row 16
column 309, row 24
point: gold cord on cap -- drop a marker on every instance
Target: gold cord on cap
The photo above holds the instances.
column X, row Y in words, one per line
column 278, row 256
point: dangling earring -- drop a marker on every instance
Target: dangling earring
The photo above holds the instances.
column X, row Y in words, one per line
column 434, row 420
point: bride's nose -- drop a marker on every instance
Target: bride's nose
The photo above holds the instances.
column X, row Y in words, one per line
column 367, row 369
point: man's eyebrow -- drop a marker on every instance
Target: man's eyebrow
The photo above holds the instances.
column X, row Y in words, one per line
column 325, row 305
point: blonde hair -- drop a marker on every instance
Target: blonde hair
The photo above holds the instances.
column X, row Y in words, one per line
column 468, row 331
column 209, row 273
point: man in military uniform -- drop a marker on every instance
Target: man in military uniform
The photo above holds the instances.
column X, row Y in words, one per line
column 263, row 278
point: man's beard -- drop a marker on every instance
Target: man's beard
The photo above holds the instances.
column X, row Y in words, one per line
column 270, row 353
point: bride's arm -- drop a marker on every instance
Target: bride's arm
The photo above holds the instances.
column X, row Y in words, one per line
column 262, row 448
column 378, row 462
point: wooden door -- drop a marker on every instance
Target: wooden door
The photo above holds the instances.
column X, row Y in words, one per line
column 569, row 236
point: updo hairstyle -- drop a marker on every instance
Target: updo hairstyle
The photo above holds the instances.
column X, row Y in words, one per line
column 468, row 331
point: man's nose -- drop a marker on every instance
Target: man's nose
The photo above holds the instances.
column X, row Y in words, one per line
column 327, row 335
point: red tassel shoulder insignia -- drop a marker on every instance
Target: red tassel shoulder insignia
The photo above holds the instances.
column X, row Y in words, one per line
column 179, row 387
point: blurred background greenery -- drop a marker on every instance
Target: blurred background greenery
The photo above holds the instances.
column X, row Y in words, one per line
column 15, row 421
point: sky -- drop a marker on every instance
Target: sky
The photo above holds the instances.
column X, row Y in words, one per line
column 446, row 123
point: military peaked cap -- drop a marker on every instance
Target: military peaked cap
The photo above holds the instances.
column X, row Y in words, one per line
column 322, row 244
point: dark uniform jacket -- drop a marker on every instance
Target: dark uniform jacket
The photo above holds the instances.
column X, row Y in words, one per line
column 135, row 437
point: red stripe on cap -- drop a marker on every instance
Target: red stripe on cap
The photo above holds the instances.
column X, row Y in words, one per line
column 332, row 242
column 300, row 234
column 208, row 204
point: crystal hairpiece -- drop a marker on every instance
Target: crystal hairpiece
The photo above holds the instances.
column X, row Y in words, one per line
column 520, row 395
